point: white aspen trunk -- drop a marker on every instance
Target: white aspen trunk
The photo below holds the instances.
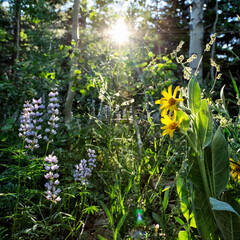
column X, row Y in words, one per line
column 214, row 44
column 75, row 34
column 196, row 37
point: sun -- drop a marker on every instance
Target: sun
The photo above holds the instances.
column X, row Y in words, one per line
column 119, row 32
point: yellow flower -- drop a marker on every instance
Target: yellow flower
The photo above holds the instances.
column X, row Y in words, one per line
column 209, row 100
column 171, row 124
column 169, row 101
column 235, row 169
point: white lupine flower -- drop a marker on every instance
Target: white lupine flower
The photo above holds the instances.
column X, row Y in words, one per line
column 52, row 192
column 52, row 110
column 28, row 128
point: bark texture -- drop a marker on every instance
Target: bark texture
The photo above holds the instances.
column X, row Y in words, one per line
column 196, row 37
column 75, row 35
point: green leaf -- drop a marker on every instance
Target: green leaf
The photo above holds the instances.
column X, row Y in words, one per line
column 165, row 200
column 220, row 163
column 77, row 72
column 119, row 225
column 101, row 237
column 183, row 235
column 151, row 54
column 109, row 216
column 203, row 214
column 192, row 221
column 221, row 206
column 141, row 65
column 83, row 92
column 227, row 218
column 159, row 220
column 194, row 96
column 185, row 122
column 91, row 209
column 204, row 217
column 9, row 124
column 73, row 42
column 183, row 196
column 205, row 124
column 235, row 85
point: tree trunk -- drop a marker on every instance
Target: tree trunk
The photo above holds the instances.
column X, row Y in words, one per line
column 214, row 44
column 75, row 34
column 16, row 29
column 196, row 37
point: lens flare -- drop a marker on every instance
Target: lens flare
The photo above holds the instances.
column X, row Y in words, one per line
column 119, row 32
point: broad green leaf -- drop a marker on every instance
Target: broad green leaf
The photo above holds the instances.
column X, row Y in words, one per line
column 204, row 124
column 185, row 122
column 204, row 217
column 221, row 206
column 220, row 163
column 227, row 218
column 194, row 96
column 183, row 196
column 203, row 214
column 194, row 174
column 231, row 196
column 183, row 235
column 193, row 138
column 192, row 221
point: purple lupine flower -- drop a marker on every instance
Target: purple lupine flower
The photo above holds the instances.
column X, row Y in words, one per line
column 28, row 126
column 51, row 166
column 85, row 167
column 53, row 111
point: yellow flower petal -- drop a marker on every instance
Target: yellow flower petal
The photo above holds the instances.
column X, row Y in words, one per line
column 235, row 169
column 170, row 90
column 175, row 92
column 166, row 95
column 169, row 101
column 164, row 111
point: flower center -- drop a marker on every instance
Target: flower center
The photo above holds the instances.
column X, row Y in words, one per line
column 237, row 169
column 173, row 126
column 172, row 101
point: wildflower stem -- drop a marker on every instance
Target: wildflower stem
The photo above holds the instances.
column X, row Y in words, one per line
column 190, row 141
column 18, row 189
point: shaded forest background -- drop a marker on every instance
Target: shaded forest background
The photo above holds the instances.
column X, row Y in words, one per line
column 36, row 43
column 113, row 109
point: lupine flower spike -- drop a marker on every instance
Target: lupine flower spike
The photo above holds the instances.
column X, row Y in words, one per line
column 52, row 191
column 84, row 168
column 53, row 112
column 169, row 101
column 30, row 123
